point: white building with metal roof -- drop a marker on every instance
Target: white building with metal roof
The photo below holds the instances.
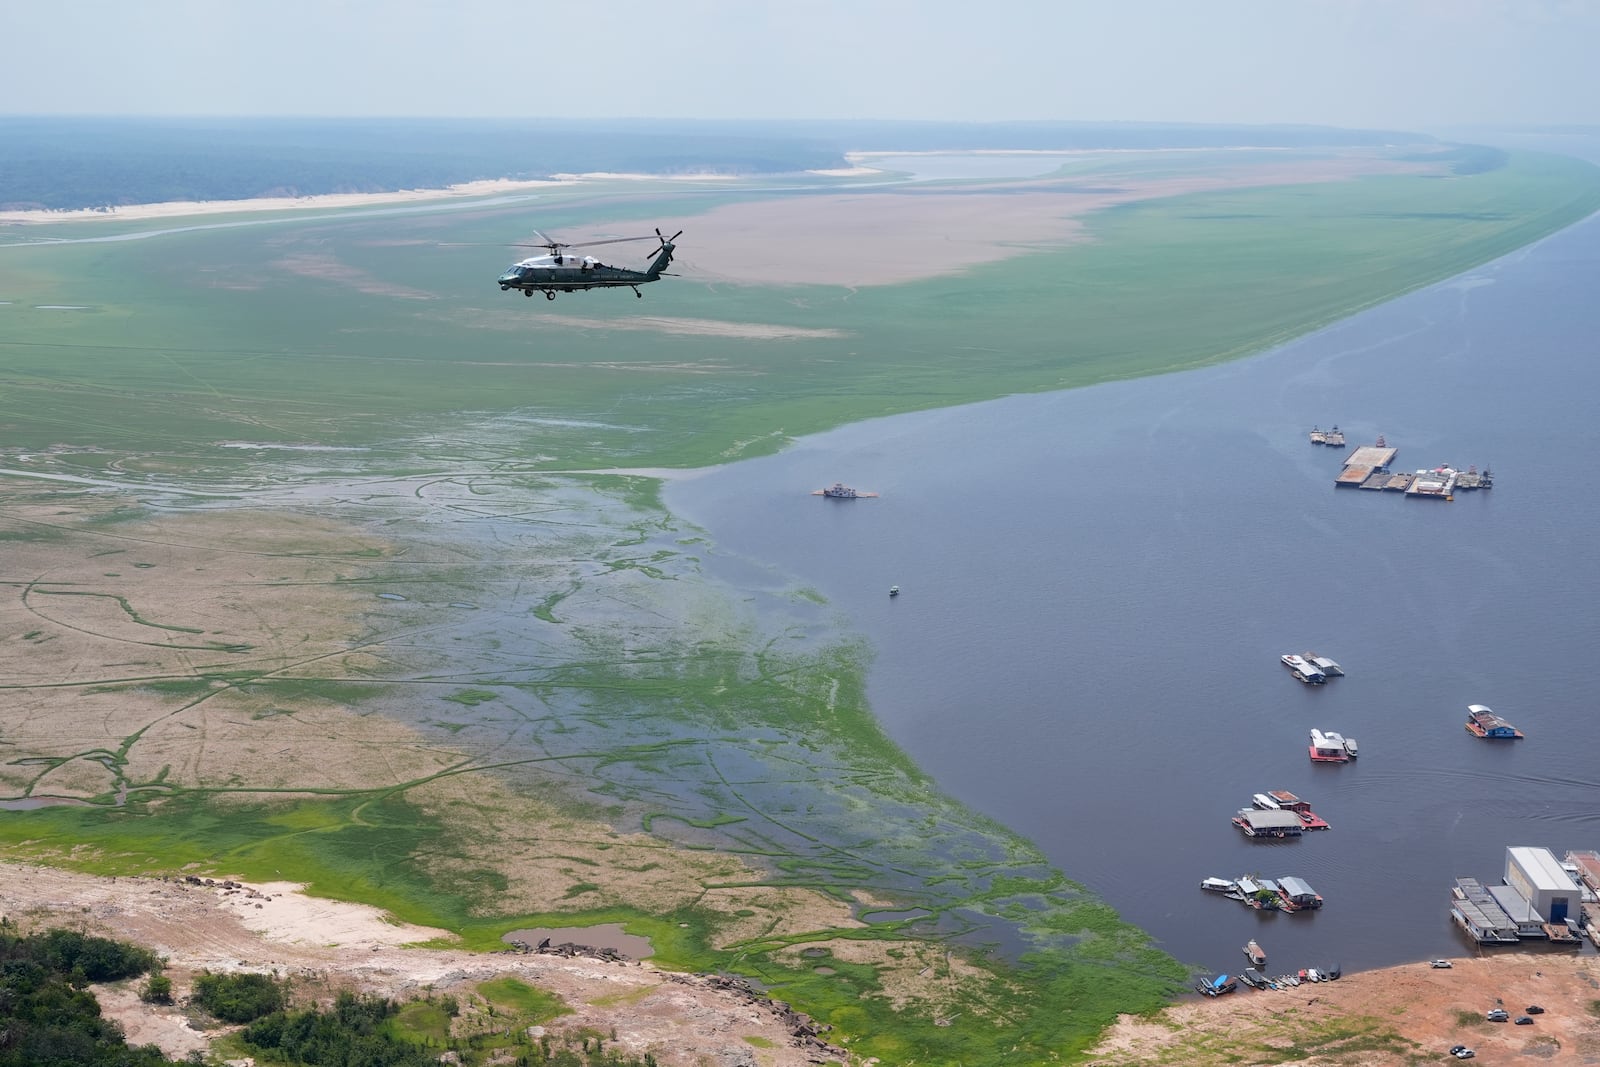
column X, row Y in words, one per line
column 1540, row 878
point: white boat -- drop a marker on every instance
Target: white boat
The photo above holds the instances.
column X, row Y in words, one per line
column 1264, row 802
column 1219, row 885
column 1350, row 747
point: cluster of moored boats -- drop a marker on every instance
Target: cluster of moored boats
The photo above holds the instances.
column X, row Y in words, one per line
column 1311, row 668
column 1278, row 814
column 1333, row 437
column 1266, row 894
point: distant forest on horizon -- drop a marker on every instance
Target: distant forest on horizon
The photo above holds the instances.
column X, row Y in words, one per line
column 66, row 163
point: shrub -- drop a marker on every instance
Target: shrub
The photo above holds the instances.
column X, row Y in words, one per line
column 238, row 998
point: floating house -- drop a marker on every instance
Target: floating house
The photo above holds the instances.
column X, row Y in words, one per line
column 1297, row 894
column 1272, row 824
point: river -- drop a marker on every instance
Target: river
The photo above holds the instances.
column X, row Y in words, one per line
column 1097, row 585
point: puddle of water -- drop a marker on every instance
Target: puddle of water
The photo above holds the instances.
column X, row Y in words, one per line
column 606, row 935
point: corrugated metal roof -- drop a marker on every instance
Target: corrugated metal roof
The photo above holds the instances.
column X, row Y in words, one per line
column 1296, row 887
column 1272, row 820
column 1542, row 869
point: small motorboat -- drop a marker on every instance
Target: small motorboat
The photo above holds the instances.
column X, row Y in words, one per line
column 894, row 590
column 1350, row 748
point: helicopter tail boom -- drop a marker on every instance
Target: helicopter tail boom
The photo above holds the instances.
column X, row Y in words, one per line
column 663, row 255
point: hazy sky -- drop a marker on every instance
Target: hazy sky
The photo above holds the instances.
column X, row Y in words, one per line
column 1394, row 63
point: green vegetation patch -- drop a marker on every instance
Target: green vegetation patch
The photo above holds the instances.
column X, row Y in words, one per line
column 516, row 996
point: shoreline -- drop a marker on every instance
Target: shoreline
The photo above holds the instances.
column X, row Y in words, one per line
column 177, row 209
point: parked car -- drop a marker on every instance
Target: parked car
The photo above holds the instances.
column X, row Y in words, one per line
column 1524, row 1020
column 1462, row 1052
column 1498, row 1015
column 1534, row 1009
column 1441, row 964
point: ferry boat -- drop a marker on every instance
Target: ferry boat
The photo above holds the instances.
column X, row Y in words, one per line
column 1334, row 438
column 1265, row 802
column 1253, row 952
column 1318, row 437
column 1486, row 724
column 1303, row 669
column 1327, row 748
column 1219, row 885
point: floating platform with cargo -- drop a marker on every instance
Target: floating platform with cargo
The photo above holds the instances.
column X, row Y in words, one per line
column 1369, row 467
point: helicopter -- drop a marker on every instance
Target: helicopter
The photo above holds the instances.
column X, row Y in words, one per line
column 558, row 271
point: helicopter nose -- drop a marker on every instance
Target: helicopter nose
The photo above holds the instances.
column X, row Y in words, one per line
column 508, row 278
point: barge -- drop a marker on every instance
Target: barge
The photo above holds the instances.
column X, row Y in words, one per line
column 1481, row 722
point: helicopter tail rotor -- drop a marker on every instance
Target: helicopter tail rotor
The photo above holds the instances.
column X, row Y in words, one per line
column 666, row 242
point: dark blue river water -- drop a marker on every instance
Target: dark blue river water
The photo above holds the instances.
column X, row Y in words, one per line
column 1097, row 586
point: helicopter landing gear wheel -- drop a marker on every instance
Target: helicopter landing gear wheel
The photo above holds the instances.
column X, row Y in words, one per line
column 503, row 288
column 549, row 294
column 527, row 292
column 637, row 293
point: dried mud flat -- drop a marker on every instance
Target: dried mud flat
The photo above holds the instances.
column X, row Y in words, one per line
column 325, row 946
column 1402, row 1015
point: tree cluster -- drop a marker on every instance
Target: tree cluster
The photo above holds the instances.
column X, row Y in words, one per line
column 48, row 1018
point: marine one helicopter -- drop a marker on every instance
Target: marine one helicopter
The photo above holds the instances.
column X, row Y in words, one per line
column 561, row 272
